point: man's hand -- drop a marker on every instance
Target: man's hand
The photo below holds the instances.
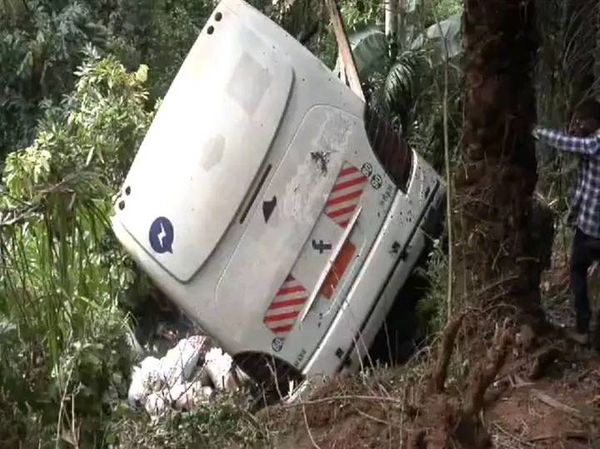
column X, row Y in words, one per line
column 587, row 146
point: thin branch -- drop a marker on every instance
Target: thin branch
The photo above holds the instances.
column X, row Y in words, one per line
column 372, row 418
column 550, row 401
column 570, row 435
column 62, row 406
column 312, row 440
column 448, row 173
column 343, row 398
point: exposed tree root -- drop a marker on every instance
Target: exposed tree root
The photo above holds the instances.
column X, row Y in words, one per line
column 440, row 371
column 470, row 431
column 418, row 408
column 445, row 399
column 485, row 374
column 445, row 421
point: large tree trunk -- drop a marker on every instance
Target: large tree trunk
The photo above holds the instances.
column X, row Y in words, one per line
column 495, row 255
column 596, row 15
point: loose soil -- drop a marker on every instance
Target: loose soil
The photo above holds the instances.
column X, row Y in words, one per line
column 547, row 395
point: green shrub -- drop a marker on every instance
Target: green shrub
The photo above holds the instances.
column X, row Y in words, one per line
column 224, row 423
column 65, row 355
column 432, row 309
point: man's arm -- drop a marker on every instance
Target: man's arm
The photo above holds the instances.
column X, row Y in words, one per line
column 589, row 146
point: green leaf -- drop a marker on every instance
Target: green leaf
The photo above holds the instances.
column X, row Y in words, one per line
column 141, row 75
column 371, row 52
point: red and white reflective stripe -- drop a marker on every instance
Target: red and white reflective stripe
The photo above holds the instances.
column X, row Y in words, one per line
column 285, row 308
column 346, row 194
column 341, row 207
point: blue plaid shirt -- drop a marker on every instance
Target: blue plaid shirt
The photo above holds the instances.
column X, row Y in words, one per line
column 585, row 205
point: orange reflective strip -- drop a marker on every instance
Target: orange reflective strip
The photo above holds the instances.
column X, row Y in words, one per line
column 338, row 269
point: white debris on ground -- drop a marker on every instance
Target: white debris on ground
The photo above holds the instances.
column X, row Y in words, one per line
column 185, row 378
column 223, row 374
column 190, row 395
column 180, row 362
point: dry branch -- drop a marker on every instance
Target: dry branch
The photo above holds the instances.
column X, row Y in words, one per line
column 548, row 400
column 343, row 398
column 446, row 348
column 341, row 37
column 573, row 435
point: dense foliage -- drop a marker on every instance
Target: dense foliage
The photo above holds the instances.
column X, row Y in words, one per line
column 62, row 273
column 42, row 42
column 76, row 103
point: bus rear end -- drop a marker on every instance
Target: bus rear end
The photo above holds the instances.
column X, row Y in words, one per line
column 269, row 205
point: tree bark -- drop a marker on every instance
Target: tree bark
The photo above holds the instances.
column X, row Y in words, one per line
column 596, row 16
column 494, row 185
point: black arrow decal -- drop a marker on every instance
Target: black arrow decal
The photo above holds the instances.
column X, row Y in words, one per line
column 268, row 207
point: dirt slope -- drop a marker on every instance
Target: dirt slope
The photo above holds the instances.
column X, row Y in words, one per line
column 543, row 392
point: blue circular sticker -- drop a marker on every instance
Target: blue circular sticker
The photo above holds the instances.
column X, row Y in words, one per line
column 161, row 235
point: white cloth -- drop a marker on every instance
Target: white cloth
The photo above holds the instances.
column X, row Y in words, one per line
column 176, row 380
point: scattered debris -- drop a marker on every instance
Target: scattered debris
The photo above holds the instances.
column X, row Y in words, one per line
column 189, row 395
column 223, row 374
column 180, row 362
column 186, row 377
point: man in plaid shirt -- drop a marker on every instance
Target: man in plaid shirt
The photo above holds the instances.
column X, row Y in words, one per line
column 583, row 139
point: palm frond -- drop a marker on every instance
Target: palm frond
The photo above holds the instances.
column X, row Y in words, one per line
column 402, row 83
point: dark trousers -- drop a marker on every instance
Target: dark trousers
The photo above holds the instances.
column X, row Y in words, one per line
column 584, row 252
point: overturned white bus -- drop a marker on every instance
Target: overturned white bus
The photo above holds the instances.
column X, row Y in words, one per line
column 271, row 206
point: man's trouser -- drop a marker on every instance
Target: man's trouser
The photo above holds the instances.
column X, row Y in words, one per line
column 585, row 250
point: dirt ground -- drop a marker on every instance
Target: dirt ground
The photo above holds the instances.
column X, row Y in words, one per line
column 562, row 409
column 546, row 395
